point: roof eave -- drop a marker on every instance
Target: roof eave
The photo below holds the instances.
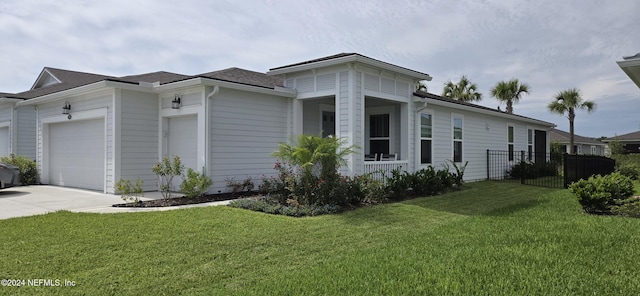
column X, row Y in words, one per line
column 355, row 58
column 489, row 112
column 205, row 81
column 61, row 94
column 631, row 67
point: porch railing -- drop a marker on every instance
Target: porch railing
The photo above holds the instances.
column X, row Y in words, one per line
column 380, row 169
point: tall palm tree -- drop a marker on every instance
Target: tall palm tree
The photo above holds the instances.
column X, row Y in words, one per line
column 510, row 92
column 568, row 101
column 464, row 90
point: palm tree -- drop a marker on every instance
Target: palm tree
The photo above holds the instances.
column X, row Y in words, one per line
column 568, row 101
column 464, row 90
column 510, row 92
column 421, row 86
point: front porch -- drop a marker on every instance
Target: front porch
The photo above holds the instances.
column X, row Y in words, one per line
column 379, row 127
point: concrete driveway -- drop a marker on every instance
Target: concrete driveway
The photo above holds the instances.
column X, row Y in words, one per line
column 41, row 199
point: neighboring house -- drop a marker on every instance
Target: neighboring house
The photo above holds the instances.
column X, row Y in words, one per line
column 583, row 145
column 227, row 123
column 631, row 141
column 631, row 66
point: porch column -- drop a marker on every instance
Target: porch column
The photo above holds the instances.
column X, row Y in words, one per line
column 405, row 135
column 297, row 113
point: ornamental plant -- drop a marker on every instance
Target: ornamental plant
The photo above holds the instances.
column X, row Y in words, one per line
column 167, row 170
column 195, row 184
column 26, row 166
column 599, row 194
column 129, row 192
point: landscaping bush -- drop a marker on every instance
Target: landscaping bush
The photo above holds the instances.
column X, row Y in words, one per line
column 630, row 208
column 630, row 170
column 599, row 194
column 532, row 170
column 273, row 206
column 27, row 167
column 195, row 184
column 129, row 192
column 166, row 170
column 400, row 184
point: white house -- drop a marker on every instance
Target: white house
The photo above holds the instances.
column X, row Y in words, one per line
column 583, row 145
column 228, row 122
column 631, row 66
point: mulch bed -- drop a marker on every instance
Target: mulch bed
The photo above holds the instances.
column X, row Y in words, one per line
column 178, row 201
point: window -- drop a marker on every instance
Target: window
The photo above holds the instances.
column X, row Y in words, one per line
column 510, row 142
column 593, row 150
column 457, row 138
column 328, row 123
column 529, row 144
column 426, row 124
column 379, row 133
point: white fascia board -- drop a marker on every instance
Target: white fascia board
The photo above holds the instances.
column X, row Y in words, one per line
column 10, row 100
column 631, row 67
column 65, row 93
column 351, row 59
column 489, row 112
column 278, row 91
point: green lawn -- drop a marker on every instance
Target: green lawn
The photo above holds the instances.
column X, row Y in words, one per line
column 491, row 238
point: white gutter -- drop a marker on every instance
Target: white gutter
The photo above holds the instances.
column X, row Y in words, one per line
column 278, row 91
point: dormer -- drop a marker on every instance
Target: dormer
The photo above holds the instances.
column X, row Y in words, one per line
column 45, row 78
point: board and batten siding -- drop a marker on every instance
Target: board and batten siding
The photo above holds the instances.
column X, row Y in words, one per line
column 139, row 142
column 245, row 129
column 52, row 112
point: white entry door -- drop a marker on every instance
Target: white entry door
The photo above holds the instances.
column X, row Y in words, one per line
column 76, row 154
column 4, row 141
column 183, row 142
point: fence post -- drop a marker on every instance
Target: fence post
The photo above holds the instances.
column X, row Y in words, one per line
column 522, row 160
column 488, row 170
column 565, row 169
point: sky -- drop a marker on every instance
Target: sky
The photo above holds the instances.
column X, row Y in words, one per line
column 551, row 45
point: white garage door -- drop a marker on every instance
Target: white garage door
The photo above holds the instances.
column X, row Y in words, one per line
column 4, row 141
column 183, row 142
column 76, row 154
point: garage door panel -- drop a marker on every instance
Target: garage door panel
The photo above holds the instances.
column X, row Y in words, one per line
column 76, row 154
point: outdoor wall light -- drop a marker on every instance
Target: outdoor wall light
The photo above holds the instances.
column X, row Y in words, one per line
column 66, row 109
column 175, row 104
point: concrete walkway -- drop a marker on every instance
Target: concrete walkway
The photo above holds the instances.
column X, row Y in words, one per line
column 36, row 200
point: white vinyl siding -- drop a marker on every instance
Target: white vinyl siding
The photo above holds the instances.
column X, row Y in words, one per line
column 139, row 137
column 245, row 128
column 26, row 129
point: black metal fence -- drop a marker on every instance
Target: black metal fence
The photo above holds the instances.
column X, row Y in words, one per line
column 578, row 167
column 554, row 170
column 539, row 169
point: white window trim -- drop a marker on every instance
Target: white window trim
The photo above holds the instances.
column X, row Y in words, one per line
column 454, row 116
column 328, row 108
column 513, row 142
column 533, row 142
column 378, row 111
column 420, row 138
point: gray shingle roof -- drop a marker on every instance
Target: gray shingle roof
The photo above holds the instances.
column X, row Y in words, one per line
column 243, row 76
column 424, row 94
column 633, row 136
column 341, row 55
column 160, row 76
column 561, row 136
column 68, row 80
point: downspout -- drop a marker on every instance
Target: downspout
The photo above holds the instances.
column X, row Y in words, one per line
column 207, row 126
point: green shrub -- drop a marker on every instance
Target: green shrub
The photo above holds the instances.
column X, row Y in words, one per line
column 27, row 167
column 532, row 170
column 599, row 194
column 630, row 170
column 630, row 208
column 166, row 170
column 292, row 208
column 195, row 184
column 128, row 192
column 400, row 184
